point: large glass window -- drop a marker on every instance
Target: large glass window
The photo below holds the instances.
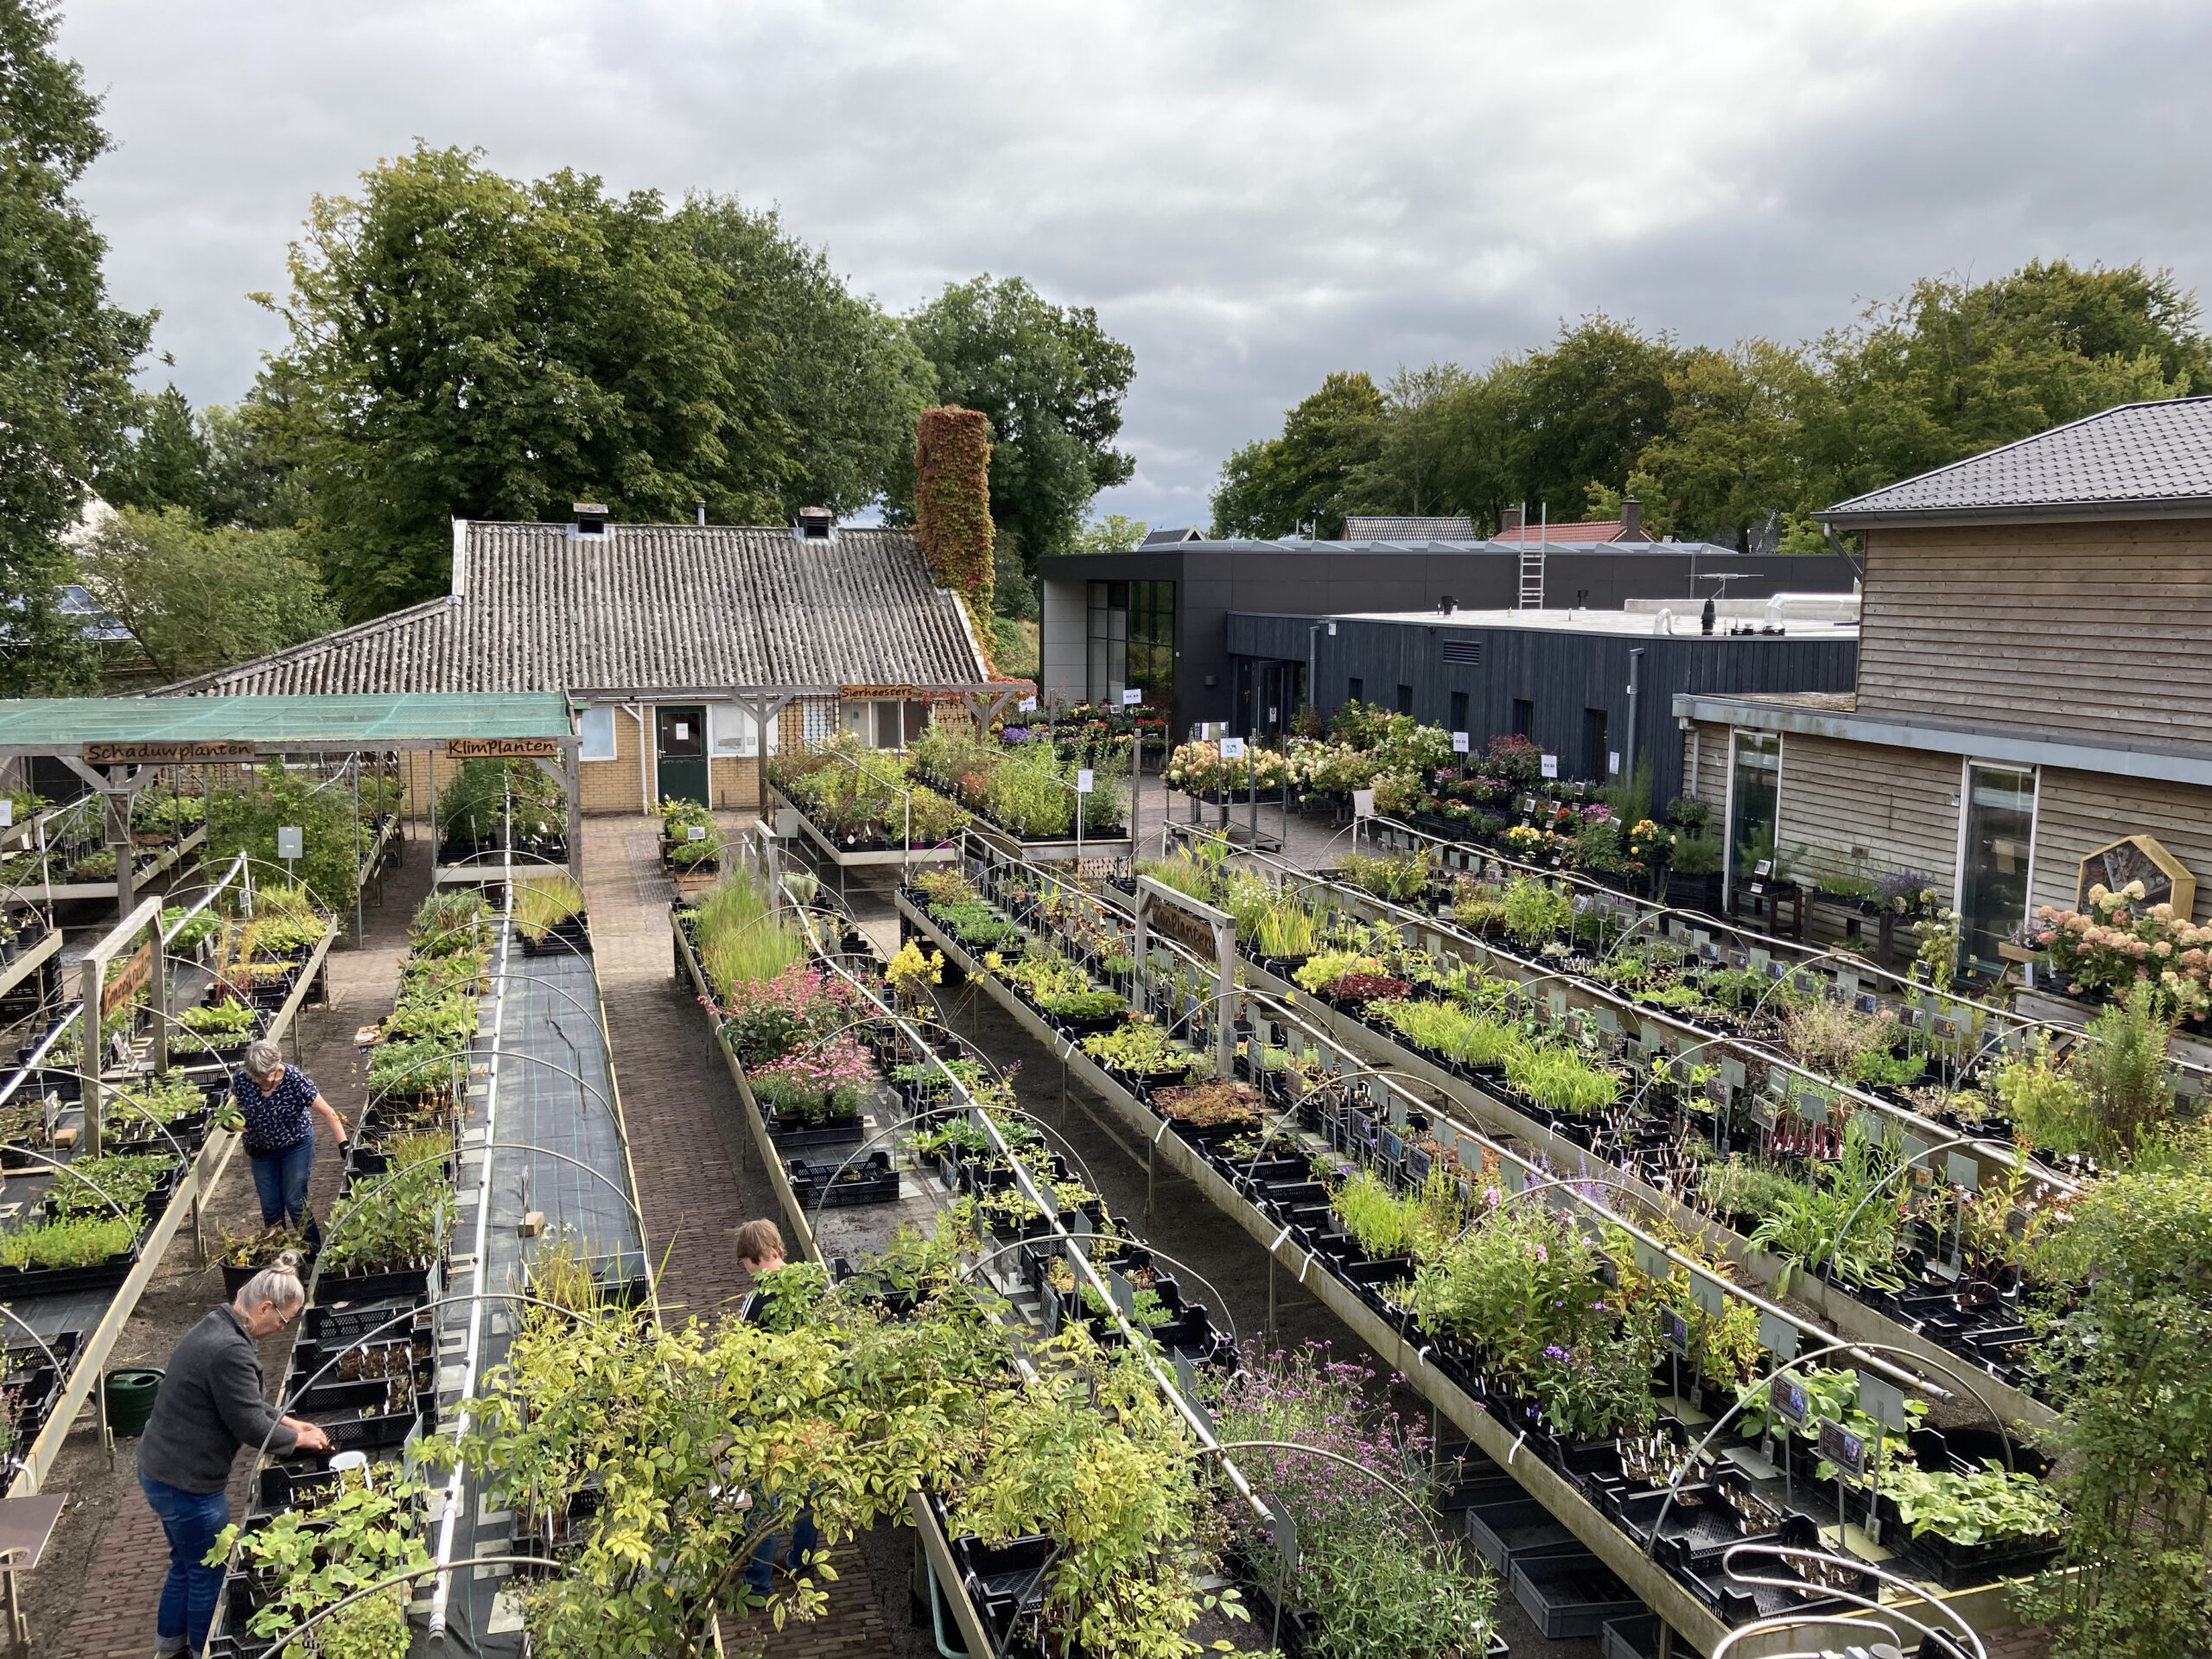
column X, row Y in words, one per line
column 1755, row 799
column 1130, row 639
column 1993, row 870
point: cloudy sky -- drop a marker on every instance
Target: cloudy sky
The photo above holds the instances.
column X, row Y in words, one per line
column 1251, row 193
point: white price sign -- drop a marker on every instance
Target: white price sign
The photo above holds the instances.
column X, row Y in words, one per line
column 1459, row 743
column 1027, row 705
column 291, row 841
column 1362, row 803
column 695, row 832
column 1085, row 781
column 1612, row 761
column 1232, row 748
column 1133, row 696
column 1551, row 766
column 7, row 812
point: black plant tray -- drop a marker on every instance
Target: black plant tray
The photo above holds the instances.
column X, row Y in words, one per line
column 828, row 1133
column 835, row 1186
column 335, row 1289
column 1632, row 1638
column 18, row 1284
column 369, row 1433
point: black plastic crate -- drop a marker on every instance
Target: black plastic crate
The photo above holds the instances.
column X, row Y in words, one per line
column 1510, row 1530
column 1571, row 1595
column 835, row 1186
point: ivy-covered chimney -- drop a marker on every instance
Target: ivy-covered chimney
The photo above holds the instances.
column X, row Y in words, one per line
column 952, row 501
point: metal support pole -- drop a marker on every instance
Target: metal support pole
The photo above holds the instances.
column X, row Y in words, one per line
column 1272, row 1336
column 357, row 883
column 1151, row 1181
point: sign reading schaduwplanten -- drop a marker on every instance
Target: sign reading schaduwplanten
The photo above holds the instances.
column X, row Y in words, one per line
column 503, row 748
column 163, row 754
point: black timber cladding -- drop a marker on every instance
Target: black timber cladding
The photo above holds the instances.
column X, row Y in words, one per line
column 1562, row 672
column 1325, row 578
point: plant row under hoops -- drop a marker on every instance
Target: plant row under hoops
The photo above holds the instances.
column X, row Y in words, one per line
column 1605, row 1354
column 69, row 849
column 858, row 800
column 1070, row 1494
column 494, row 808
column 1029, row 790
column 365, row 1364
column 1814, row 1182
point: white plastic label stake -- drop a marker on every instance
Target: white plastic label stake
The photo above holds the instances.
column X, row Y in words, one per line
column 1362, row 803
column 1132, row 696
column 291, row 841
column 1084, row 782
column 1459, row 743
column 695, row 833
column 1551, row 766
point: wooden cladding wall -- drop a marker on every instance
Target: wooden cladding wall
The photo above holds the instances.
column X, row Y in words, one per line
column 1854, row 807
column 2078, row 812
column 2098, row 632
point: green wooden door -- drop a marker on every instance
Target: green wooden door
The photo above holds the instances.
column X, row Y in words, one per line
column 680, row 740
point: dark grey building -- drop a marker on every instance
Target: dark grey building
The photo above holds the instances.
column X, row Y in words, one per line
column 1156, row 618
column 1594, row 688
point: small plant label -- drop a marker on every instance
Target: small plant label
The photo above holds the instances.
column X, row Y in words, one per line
column 1459, row 743
column 1232, row 748
column 695, row 833
column 1674, row 1331
column 1551, row 766
column 1027, row 705
column 1846, row 1450
column 7, row 812
column 1085, row 781
column 1778, row 1337
column 1132, row 696
column 291, row 841
column 1362, row 803
column 1792, row 1402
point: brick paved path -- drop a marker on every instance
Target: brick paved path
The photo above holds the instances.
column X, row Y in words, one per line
column 93, row 1596
column 696, row 1176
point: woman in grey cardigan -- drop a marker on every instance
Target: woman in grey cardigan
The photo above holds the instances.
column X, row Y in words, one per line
column 211, row 1403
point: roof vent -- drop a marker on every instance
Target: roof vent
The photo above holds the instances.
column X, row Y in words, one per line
column 816, row 524
column 591, row 517
column 1446, row 605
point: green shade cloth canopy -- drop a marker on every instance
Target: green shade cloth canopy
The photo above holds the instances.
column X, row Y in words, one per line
column 41, row 725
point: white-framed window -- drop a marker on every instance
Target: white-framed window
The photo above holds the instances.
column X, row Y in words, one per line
column 817, row 719
column 1998, row 807
column 731, row 732
column 1754, row 813
column 884, row 723
column 597, row 730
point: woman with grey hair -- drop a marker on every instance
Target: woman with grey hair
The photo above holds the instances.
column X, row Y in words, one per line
column 212, row 1401
column 279, row 1101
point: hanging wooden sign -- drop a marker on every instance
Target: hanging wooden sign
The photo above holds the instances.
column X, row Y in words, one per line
column 503, row 748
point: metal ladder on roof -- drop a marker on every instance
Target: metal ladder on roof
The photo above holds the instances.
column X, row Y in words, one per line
column 1532, row 576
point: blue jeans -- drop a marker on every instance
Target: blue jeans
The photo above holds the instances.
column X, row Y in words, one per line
column 280, row 1180
column 760, row 1572
column 191, row 1519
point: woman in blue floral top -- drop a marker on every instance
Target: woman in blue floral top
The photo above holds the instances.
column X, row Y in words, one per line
column 278, row 1101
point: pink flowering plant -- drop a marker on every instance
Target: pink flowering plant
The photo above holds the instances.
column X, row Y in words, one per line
column 2120, row 942
column 814, row 1084
column 770, row 1018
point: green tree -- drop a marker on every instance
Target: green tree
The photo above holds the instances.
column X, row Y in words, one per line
column 1422, row 449
column 465, row 345
column 196, row 599
column 65, row 353
column 1113, row 532
column 839, row 379
column 1733, row 449
column 1585, row 408
column 1051, row 381
column 1951, row 368
column 1314, row 473
column 166, row 461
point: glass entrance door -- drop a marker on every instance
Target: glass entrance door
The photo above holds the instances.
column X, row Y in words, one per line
column 1754, row 802
column 1994, row 862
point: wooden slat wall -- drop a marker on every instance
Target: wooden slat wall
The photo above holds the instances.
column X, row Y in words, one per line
column 2094, row 630
column 1854, row 806
column 2078, row 812
column 1711, row 775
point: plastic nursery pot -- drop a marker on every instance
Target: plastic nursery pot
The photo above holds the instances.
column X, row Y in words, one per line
column 131, row 1392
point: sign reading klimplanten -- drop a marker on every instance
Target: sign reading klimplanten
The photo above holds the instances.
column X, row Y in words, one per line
column 158, row 754
column 503, row 748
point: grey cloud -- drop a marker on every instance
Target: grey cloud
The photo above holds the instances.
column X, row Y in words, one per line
column 1252, row 194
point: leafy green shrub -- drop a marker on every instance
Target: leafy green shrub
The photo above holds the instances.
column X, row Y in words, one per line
column 1534, row 912
column 73, row 1240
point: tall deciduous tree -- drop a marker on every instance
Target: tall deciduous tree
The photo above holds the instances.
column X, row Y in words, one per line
column 165, row 462
column 195, row 599
column 65, row 353
column 465, row 345
column 1733, row 449
column 1051, row 381
column 1315, row 474
column 842, row 380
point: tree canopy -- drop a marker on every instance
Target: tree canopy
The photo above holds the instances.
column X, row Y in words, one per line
column 1721, row 444
column 1051, row 381
column 65, row 353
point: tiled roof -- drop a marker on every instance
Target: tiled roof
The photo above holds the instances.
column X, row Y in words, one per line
column 2154, row 455
column 647, row 607
column 1595, row 530
column 1451, row 529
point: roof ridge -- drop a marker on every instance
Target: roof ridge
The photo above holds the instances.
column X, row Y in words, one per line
column 1853, row 503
